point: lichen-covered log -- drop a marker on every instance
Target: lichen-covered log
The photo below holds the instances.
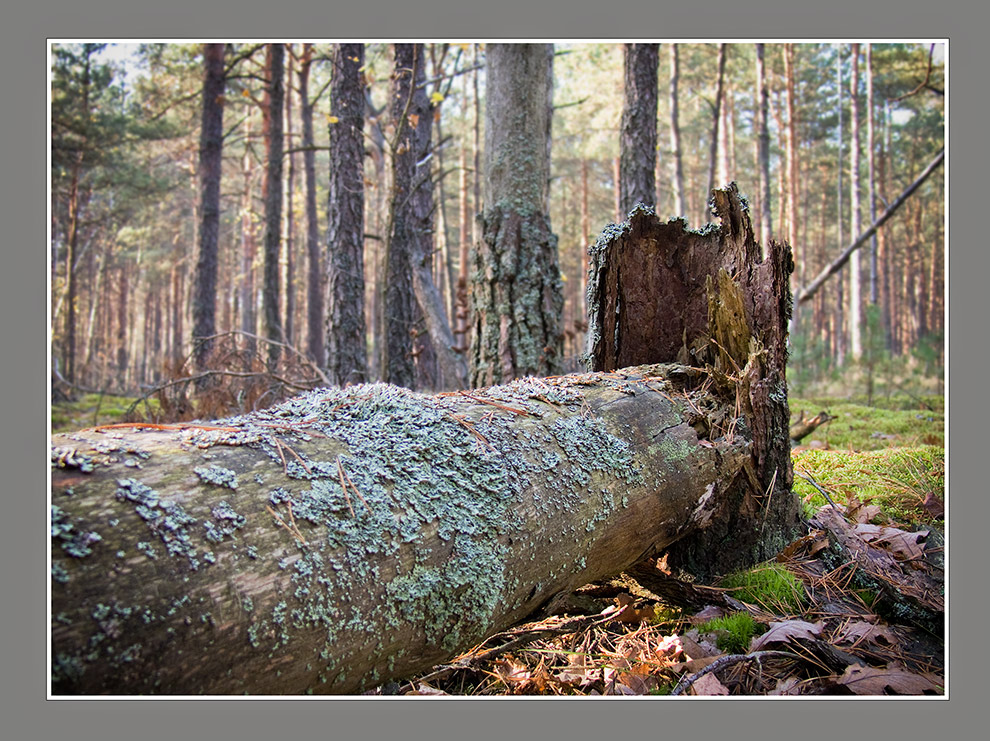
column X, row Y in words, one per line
column 661, row 293
column 350, row 536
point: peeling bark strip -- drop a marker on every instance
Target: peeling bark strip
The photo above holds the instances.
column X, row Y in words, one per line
column 351, row 536
column 660, row 293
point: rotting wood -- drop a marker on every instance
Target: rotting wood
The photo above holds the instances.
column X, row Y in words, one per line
column 706, row 299
column 389, row 537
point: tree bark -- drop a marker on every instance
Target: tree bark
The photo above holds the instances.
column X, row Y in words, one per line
column 399, row 314
column 731, row 324
column 210, row 166
column 314, row 268
column 855, row 281
column 716, row 120
column 451, row 366
column 346, row 345
column 677, row 173
column 517, row 294
column 638, row 142
column 763, row 145
column 274, row 96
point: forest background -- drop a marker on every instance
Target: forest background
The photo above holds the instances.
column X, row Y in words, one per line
column 126, row 197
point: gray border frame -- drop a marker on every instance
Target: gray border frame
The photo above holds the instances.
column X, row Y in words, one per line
column 27, row 715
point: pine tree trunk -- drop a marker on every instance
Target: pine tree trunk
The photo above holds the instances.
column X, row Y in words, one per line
column 763, row 142
column 314, row 265
column 450, row 365
column 716, row 120
column 272, row 196
column 345, row 329
column 290, row 217
column 677, row 173
column 399, row 314
column 855, row 312
column 517, row 297
column 638, row 137
column 210, row 167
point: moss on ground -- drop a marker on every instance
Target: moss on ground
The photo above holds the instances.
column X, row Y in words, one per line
column 734, row 632
column 896, row 479
column 769, row 585
column 895, row 422
column 90, row 410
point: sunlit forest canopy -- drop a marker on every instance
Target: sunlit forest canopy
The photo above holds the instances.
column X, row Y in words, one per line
column 848, row 127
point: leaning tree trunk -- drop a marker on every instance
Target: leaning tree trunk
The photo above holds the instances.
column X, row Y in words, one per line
column 660, row 293
column 350, row 536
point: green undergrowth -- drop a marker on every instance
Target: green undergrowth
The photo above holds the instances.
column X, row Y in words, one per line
column 90, row 410
column 733, row 632
column 768, row 585
column 898, row 480
column 890, row 422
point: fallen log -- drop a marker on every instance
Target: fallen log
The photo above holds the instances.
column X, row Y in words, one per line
column 350, row 536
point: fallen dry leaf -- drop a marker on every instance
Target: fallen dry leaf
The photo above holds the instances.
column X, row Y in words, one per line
column 578, row 671
column 904, row 545
column 709, row 685
column 868, row 680
column 787, row 687
column 710, row 612
column 784, row 632
column 864, row 631
column 425, row 689
column 860, row 512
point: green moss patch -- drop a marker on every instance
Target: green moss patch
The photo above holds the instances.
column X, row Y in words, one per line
column 769, row 585
column 733, row 632
column 896, row 479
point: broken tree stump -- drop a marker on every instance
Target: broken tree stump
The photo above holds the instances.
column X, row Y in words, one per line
column 803, row 427
column 661, row 293
column 351, row 536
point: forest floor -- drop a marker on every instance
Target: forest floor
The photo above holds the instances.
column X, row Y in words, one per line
column 794, row 626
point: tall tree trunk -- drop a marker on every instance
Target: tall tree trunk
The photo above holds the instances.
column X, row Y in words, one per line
column 677, row 172
column 763, row 140
column 347, row 359
column 461, row 310
column 871, row 175
column 399, row 314
column 586, row 238
column 840, row 325
column 793, row 181
column 210, row 167
column 290, row 216
column 72, row 240
column 314, row 266
column 716, row 120
column 638, row 141
column 123, row 300
column 248, row 299
column 451, row 366
column 274, row 98
column 855, row 311
column 517, row 297
column 178, row 303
